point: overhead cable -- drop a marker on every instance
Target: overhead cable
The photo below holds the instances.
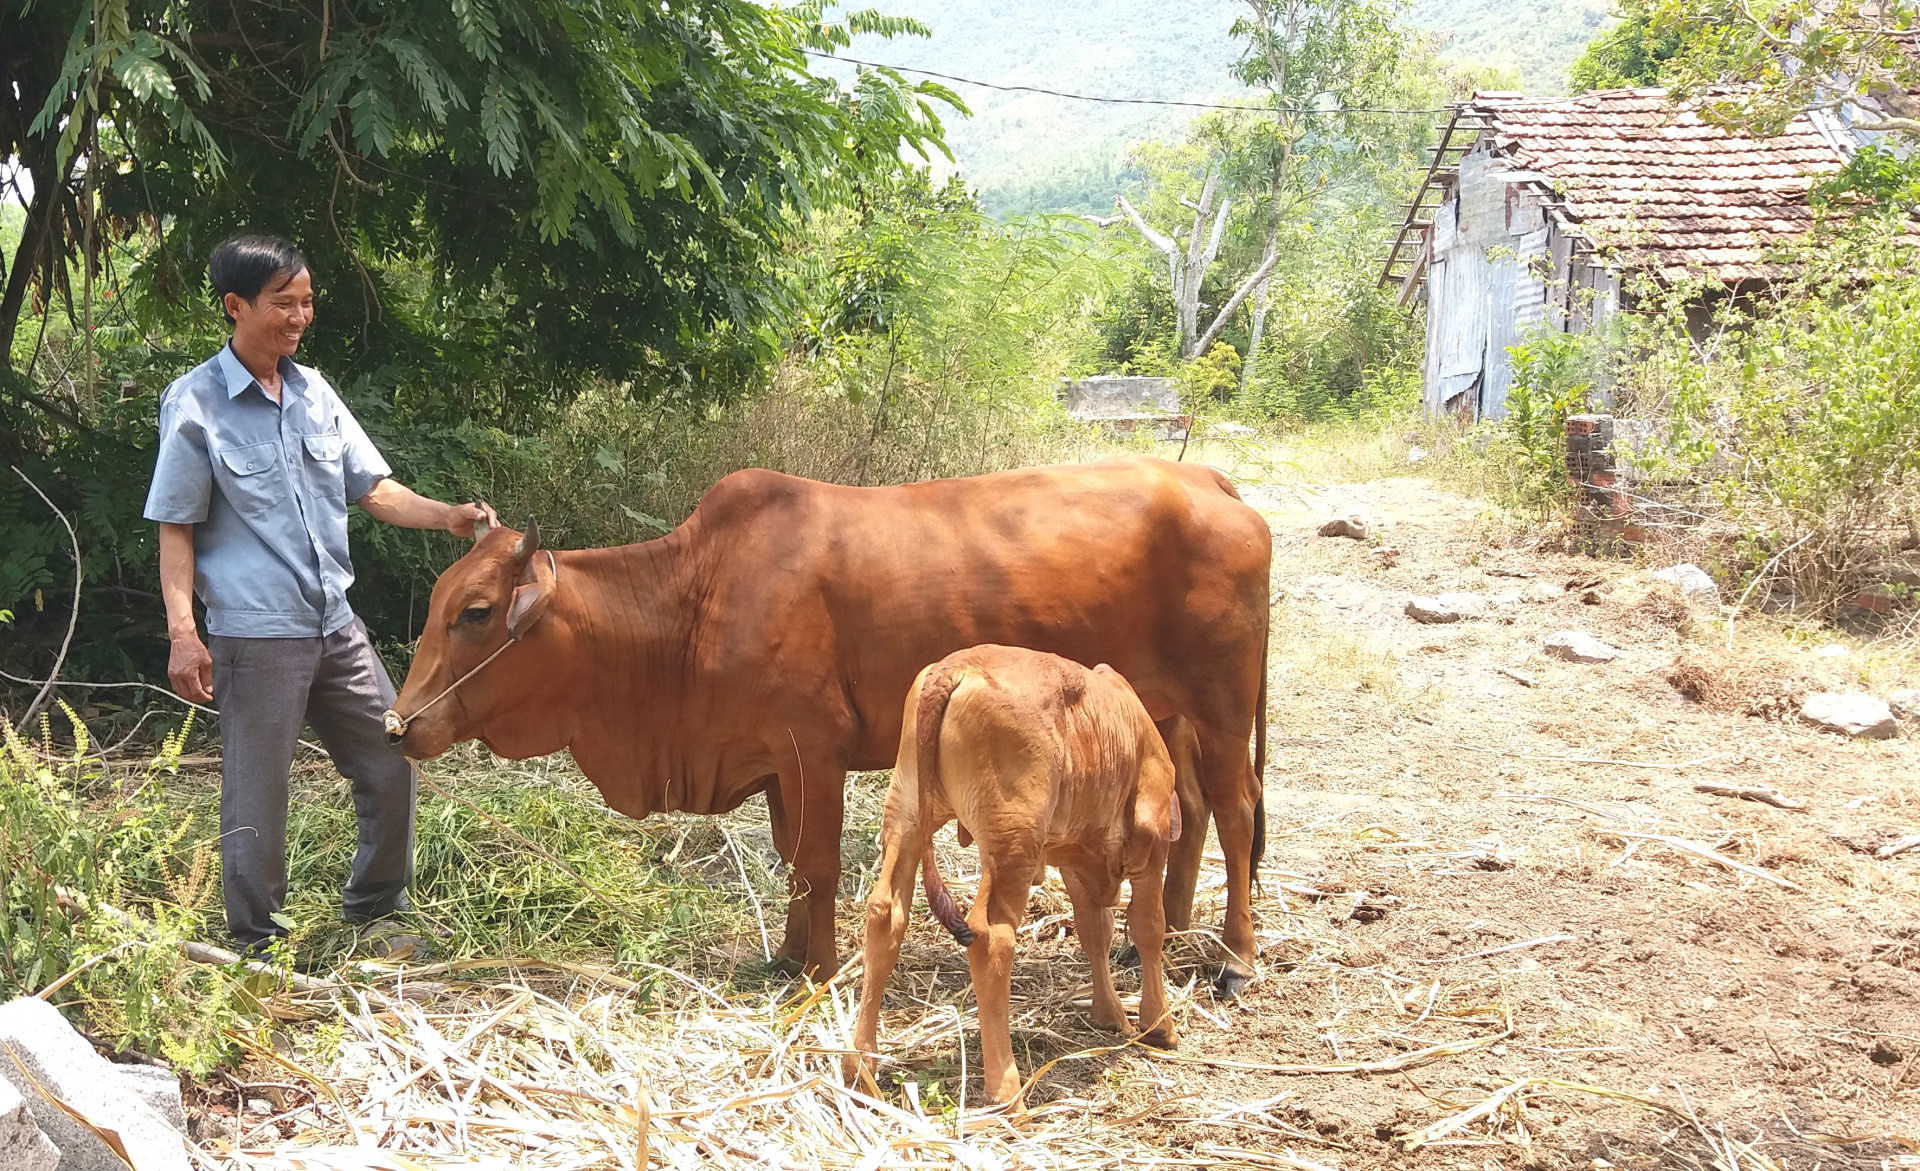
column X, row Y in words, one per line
column 1035, row 89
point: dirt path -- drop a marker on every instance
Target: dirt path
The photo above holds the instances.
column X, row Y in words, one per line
column 1411, row 773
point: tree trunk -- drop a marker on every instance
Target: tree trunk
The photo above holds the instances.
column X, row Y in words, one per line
column 28, row 257
column 1260, row 296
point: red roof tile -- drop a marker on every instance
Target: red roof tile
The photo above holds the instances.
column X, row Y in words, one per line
column 1666, row 191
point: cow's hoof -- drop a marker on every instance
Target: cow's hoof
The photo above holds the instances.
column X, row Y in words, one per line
column 1161, row 1039
column 1231, row 983
column 1129, row 957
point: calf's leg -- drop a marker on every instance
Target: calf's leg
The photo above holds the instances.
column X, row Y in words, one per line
column 887, row 910
column 1147, row 924
column 1006, row 878
column 1092, row 897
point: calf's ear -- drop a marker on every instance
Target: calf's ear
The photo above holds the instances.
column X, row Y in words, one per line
column 530, row 598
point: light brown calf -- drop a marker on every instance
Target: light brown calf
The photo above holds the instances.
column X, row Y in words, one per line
column 1044, row 763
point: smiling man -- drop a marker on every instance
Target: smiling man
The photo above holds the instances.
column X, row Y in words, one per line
column 259, row 458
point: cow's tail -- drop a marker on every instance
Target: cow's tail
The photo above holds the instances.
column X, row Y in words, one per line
column 1259, row 850
column 936, row 689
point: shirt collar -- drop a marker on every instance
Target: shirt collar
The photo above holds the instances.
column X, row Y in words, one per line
column 238, row 377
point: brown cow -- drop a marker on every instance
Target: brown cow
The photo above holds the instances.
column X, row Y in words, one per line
column 1044, row 763
column 766, row 644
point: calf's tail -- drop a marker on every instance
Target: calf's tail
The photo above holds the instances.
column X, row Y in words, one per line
column 936, row 689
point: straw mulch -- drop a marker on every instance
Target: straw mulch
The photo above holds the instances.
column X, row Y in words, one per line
column 508, row 1074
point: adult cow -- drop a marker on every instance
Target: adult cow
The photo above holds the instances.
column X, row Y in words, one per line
column 767, row 645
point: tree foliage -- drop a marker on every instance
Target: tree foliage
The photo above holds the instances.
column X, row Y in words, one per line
column 591, row 187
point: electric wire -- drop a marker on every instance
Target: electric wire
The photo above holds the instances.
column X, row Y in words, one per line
column 1035, row 89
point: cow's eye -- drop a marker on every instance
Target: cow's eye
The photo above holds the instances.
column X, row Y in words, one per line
column 473, row 614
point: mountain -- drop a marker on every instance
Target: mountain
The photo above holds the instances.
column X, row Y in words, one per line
column 1027, row 151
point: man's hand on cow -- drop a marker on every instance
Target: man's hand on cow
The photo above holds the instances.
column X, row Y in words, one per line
column 190, row 668
column 464, row 516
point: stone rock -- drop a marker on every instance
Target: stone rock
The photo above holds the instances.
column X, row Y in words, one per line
column 1466, row 605
column 1905, row 703
column 63, row 1062
column 1234, row 430
column 160, row 1090
column 1354, row 526
column 1542, row 591
column 1576, row 647
column 1852, row 713
column 1429, row 610
column 1416, row 454
column 1833, row 650
column 22, row 1146
column 1692, row 582
column 1506, row 599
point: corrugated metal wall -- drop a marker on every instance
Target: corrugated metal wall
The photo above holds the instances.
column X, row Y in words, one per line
column 1497, row 271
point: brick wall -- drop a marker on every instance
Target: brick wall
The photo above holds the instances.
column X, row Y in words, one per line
column 1603, row 506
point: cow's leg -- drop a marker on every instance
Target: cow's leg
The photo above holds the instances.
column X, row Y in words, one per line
column 1184, row 855
column 1006, row 879
column 1092, row 896
column 793, row 948
column 1227, row 777
column 1147, row 924
column 813, row 789
column 901, row 844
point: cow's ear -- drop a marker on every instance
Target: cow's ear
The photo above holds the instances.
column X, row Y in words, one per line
column 530, row 598
column 529, row 542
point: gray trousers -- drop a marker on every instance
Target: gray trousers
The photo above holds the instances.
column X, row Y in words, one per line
column 266, row 689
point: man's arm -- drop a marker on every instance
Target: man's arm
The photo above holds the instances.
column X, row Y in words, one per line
column 393, row 502
column 189, row 666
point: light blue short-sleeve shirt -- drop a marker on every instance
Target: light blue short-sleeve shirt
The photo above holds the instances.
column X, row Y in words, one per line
column 266, row 486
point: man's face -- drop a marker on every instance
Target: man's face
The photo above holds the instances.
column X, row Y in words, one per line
column 273, row 321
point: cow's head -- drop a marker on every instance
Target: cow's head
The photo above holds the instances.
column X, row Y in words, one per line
column 495, row 595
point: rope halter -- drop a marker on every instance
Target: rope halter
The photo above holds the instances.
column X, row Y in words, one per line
column 396, row 725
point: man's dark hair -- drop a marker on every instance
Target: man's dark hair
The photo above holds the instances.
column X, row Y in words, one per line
column 250, row 261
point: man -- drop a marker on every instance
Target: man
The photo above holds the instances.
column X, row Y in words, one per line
column 259, row 459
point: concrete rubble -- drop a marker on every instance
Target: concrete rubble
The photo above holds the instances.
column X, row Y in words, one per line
column 1692, row 581
column 22, row 1146
column 109, row 1096
column 1852, row 713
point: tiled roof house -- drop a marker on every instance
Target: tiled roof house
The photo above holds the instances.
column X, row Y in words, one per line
column 1537, row 209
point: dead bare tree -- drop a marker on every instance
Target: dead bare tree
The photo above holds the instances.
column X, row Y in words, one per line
column 1187, row 268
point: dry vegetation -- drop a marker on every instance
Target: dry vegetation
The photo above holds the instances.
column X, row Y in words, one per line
column 1500, row 928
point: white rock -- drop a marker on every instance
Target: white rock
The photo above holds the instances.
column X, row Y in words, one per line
column 62, row 1061
column 1416, row 454
column 1236, row 430
column 22, row 1146
column 1852, row 713
column 1833, row 650
column 158, row 1088
column 1352, row 525
column 1576, row 647
column 1692, row 581
column 1466, row 605
column 1905, row 703
column 1430, row 610
column 1542, row 591
column 1506, row 599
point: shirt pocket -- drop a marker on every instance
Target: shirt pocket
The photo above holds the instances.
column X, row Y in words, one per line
column 250, row 484
column 324, row 466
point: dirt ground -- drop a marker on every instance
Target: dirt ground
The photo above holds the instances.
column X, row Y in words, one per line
column 1484, row 868
column 1434, row 793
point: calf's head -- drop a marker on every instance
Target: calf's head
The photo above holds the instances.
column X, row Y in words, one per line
column 464, row 673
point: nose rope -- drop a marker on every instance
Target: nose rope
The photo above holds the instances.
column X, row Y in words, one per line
column 396, row 725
